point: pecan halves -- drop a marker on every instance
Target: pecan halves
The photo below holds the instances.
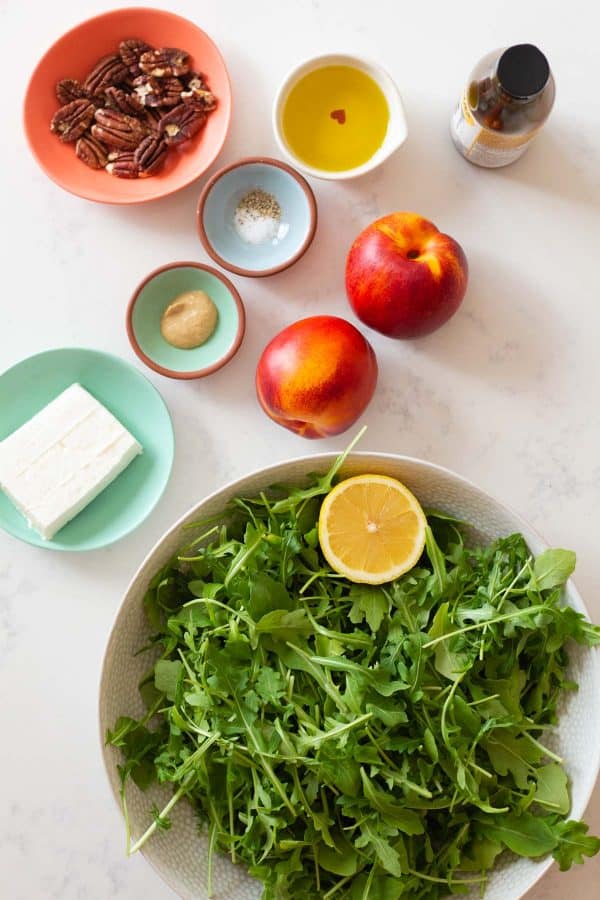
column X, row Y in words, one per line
column 133, row 106
column 130, row 51
column 108, row 71
column 72, row 120
column 165, row 61
column 152, row 117
column 150, row 155
column 152, row 91
column 69, row 89
column 115, row 129
column 196, row 90
column 203, row 98
column 181, row 123
column 196, row 77
column 123, row 165
column 91, row 152
column 116, row 98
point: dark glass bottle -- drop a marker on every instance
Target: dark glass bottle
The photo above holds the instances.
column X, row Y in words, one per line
column 505, row 103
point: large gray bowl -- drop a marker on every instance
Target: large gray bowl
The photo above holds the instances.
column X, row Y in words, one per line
column 179, row 855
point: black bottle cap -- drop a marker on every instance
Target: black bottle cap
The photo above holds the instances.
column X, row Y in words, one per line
column 523, row 71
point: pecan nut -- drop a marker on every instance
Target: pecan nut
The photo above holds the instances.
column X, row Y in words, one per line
column 71, row 121
column 130, row 51
column 91, row 152
column 152, row 91
column 195, row 77
column 107, row 71
column 152, row 117
column 150, row 155
column 117, row 130
column 123, row 166
column 197, row 92
column 165, row 61
column 181, row 123
column 116, row 98
column 69, row 89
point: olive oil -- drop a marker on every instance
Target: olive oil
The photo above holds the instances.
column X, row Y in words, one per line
column 335, row 118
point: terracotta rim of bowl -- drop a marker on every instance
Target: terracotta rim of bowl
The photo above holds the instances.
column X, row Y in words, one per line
column 267, row 161
column 124, row 201
column 207, row 370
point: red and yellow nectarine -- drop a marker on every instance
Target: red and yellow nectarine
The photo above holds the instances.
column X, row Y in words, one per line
column 405, row 278
column 316, row 376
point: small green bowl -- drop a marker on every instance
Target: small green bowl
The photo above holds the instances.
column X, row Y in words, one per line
column 32, row 383
column 152, row 297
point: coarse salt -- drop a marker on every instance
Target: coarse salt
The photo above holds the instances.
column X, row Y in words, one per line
column 257, row 217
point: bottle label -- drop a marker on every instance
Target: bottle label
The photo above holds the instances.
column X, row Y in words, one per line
column 483, row 146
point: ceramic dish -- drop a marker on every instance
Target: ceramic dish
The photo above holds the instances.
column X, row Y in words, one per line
column 217, row 207
column 396, row 129
column 72, row 56
column 179, row 855
column 151, row 298
column 28, row 386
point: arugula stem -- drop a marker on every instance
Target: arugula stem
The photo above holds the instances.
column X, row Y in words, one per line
column 337, row 887
column 319, row 677
column 544, row 749
column 309, row 581
column 195, row 543
column 197, row 755
column 211, row 601
column 368, row 884
column 265, row 764
column 182, row 771
column 209, row 865
column 395, row 773
column 181, row 790
column 445, row 709
column 485, row 699
column 354, row 640
column 243, row 559
column 125, row 809
column 202, row 523
column 477, row 625
column 448, row 881
column 479, row 769
column 231, row 818
column 324, row 484
column 340, row 729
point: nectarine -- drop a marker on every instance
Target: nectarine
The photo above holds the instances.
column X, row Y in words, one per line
column 316, row 376
column 405, row 278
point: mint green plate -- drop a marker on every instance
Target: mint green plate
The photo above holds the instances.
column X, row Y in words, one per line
column 151, row 299
column 32, row 383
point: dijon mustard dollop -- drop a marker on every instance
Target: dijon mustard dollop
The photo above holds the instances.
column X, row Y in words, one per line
column 189, row 320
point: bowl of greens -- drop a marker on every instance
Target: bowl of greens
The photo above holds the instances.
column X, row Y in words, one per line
column 272, row 730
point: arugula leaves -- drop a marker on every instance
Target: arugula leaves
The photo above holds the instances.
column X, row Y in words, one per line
column 552, row 568
column 356, row 742
column 573, row 844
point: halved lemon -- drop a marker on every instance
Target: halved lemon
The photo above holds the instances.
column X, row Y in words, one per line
column 371, row 529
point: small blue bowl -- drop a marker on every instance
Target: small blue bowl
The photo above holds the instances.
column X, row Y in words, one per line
column 256, row 255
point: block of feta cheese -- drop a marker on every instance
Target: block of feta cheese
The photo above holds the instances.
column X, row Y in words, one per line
column 61, row 459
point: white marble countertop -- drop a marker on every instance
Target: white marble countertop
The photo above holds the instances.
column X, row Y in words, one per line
column 506, row 394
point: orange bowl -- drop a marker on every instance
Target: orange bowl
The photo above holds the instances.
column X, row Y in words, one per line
column 74, row 54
